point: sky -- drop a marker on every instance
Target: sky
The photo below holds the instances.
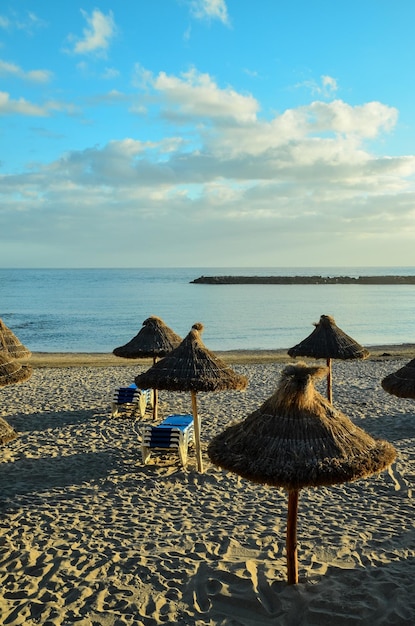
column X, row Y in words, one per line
column 207, row 133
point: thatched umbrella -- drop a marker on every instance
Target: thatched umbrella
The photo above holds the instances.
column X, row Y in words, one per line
column 402, row 382
column 11, row 372
column 13, row 345
column 155, row 339
column 298, row 439
column 7, row 433
column 328, row 341
column 192, row 367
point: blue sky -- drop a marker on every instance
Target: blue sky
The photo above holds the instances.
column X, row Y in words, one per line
column 149, row 133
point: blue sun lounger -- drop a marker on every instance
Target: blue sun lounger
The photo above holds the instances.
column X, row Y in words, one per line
column 132, row 399
column 174, row 433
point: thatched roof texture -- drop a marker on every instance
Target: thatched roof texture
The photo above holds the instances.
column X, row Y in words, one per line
column 192, row 367
column 402, row 382
column 11, row 371
column 7, row 433
column 328, row 341
column 9, row 342
column 155, row 339
column 298, row 439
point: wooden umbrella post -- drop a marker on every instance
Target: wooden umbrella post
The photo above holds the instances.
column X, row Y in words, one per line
column 196, row 425
column 155, row 396
column 291, row 540
column 329, row 388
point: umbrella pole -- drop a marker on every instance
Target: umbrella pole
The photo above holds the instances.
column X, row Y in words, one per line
column 196, row 425
column 155, row 396
column 291, row 540
column 329, row 389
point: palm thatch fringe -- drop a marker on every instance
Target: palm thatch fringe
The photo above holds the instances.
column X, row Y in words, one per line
column 7, row 433
column 192, row 367
column 10, row 343
column 328, row 341
column 402, row 382
column 12, row 371
column 155, row 339
column 298, row 439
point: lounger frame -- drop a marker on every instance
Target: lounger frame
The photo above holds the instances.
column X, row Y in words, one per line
column 131, row 400
column 175, row 433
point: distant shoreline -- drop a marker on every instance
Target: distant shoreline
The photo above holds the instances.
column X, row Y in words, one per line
column 304, row 280
column 89, row 359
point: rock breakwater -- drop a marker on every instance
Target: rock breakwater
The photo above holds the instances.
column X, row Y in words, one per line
column 304, row 280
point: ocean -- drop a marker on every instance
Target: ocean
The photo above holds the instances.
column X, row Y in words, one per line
column 96, row 310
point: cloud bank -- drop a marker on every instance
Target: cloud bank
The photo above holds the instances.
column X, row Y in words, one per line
column 208, row 177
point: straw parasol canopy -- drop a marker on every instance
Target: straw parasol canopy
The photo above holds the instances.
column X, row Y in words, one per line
column 328, row 341
column 192, row 367
column 9, row 342
column 298, row 439
column 11, row 372
column 7, row 433
column 155, row 339
column 402, row 382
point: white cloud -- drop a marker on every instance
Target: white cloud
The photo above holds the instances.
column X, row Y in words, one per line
column 110, row 73
column 326, row 88
column 210, row 9
column 111, row 97
column 8, row 106
column 339, row 117
column 142, row 78
column 36, row 76
column 322, row 130
column 329, row 83
column 98, row 35
column 328, row 131
column 19, row 107
column 89, row 72
column 307, row 173
column 194, row 94
column 30, row 21
column 27, row 22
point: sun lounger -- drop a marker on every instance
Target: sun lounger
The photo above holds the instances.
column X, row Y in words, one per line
column 132, row 399
column 174, row 433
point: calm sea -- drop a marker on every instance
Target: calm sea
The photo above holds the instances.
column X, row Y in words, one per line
column 96, row 310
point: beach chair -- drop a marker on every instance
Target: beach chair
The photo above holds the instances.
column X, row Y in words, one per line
column 131, row 399
column 174, row 433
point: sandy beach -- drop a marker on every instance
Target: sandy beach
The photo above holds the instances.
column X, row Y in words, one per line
column 91, row 536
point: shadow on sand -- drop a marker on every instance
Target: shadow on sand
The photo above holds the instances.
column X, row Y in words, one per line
column 49, row 419
column 380, row 595
column 27, row 476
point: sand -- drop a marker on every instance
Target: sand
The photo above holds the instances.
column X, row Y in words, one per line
column 90, row 536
